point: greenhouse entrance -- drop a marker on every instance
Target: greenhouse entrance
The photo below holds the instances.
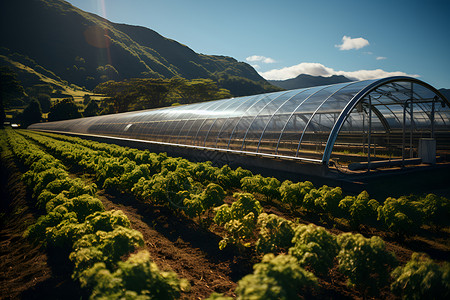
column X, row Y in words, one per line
column 398, row 124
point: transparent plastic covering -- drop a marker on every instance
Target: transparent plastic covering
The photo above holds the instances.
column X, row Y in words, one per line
column 300, row 124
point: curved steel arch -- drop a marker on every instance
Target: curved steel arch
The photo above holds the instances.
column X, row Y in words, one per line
column 360, row 97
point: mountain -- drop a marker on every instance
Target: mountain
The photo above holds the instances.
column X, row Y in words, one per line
column 304, row 81
column 85, row 49
column 29, row 73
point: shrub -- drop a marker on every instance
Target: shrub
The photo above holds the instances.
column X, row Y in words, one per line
column 276, row 277
column 314, row 247
column 421, row 278
column 136, row 278
column 197, row 204
column 239, row 220
column 365, row 261
column 403, row 216
column 360, row 209
column 436, row 210
column 112, row 244
column 292, row 194
column 275, row 233
column 267, row 186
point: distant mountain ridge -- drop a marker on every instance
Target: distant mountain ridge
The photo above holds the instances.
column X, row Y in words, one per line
column 305, row 80
column 85, row 49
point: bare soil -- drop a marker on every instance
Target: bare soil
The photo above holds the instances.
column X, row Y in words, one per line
column 179, row 244
column 26, row 272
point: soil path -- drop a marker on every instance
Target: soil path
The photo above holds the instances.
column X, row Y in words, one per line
column 181, row 245
column 26, row 272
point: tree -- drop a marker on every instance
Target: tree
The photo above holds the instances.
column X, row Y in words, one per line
column 152, row 92
column 198, row 90
column 10, row 88
column 122, row 94
column 31, row 114
column 92, row 109
column 45, row 102
column 143, row 93
column 86, row 99
column 35, row 90
column 64, row 110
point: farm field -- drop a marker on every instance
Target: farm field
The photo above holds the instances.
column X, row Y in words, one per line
column 91, row 220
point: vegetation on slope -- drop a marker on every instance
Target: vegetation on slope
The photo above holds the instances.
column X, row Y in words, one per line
column 85, row 49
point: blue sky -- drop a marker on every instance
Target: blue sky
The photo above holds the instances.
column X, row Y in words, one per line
column 281, row 39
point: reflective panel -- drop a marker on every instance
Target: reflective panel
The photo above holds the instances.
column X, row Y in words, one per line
column 313, row 139
column 356, row 121
column 299, row 119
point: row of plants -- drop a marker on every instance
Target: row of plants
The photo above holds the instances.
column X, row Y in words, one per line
column 404, row 216
column 365, row 262
column 180, row 185
column 75, row 222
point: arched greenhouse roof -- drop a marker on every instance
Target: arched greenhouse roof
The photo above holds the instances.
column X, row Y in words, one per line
column 302, row 124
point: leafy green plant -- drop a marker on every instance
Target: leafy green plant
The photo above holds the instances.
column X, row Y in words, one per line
column 197, row 204
column 292, row 194
column 365, row 262
column 421, row 278
column 360, row 209
column 329, row 200
column 267, row 186
column 276, row 277
column 314, row 247
column 37, row 231
column 107, row 220
column 229, row 178
column 403, row 216
column 136, row 278
column 436, row 210
column 239, row 220
column 140, row 274
column 275, row 233
column 324, row 200
column 83, row 205
column 364, row 210
column 65, row 234
column 165, row 187
column 112, row 245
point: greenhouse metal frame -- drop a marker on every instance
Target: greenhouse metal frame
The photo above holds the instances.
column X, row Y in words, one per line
column 362, row 121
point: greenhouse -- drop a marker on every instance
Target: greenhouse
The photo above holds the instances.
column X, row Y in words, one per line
column 357, row 125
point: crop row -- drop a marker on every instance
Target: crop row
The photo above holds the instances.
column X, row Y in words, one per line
column 404, row 215
column 76, row 223
column 198, row 190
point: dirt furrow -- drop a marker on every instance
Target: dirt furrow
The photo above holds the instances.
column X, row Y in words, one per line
column 181, row 246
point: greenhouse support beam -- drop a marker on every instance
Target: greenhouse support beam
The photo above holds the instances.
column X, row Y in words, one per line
column 369, row 133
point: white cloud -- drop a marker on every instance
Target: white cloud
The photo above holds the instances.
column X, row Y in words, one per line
column 266, row 60
column 348, row 43
column 314, row 69
column 256, row 67
column 317, row 69
column 381, row 57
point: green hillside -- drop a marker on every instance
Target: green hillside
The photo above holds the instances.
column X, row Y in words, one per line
column 85, row 49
